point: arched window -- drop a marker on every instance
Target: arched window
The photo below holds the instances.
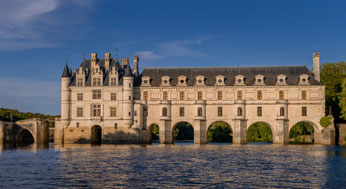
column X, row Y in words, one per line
column 240, row 111
column 199, row 111
column 282, row 111
column 164, row 111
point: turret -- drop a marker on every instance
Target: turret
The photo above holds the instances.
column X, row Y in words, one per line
column 316, row 66
column 65, row 93
column 135, row 65
column 128, row 97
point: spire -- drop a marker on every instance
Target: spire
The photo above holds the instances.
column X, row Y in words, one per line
column 128, row 72
column 66, row 72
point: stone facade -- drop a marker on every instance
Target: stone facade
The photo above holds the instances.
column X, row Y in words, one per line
column 107, row 101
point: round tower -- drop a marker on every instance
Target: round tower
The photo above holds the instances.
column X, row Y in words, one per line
column 65, row 94
column 128, row 97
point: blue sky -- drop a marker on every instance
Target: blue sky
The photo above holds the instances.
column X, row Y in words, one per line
column 37, row 35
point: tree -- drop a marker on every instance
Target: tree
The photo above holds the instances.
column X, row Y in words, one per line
column 332, row 76
column 259, row 132
column 219, row 132
column 342, row 100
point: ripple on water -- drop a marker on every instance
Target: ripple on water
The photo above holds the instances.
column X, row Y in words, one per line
column 181, row 165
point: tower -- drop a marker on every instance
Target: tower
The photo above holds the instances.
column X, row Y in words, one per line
column 65, row 94
column 316, row 66
column 128, row 97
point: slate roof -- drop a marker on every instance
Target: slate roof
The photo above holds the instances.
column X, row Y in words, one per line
column 270, row 74
column 66, row 72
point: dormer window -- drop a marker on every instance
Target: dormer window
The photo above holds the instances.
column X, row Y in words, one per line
column 303, row 79
column 259, row 80
column 165, row 81
column 220, row 80
column 146, row 81
column 239, row 80
column 181, row 81
column 281, row 80
column 200, row 80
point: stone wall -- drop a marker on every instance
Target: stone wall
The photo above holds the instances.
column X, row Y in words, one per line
column 342, row 134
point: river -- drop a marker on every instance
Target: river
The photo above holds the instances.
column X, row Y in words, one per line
column 181, row 165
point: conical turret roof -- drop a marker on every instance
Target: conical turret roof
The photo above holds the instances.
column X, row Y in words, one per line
column 128, row 72
column 66, row 72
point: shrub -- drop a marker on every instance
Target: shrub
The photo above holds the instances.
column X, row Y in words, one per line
column 326, row 121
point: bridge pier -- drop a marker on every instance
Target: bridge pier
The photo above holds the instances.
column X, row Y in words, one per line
column 239, row 133
column 281, row 133
column 200, row 131
column 166, row 135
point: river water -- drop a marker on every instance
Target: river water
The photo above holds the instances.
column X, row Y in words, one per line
column 181, row 165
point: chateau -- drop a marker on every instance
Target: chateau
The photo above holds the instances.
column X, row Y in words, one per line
column 107, row 101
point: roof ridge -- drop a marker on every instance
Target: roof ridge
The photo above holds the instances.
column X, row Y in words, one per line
column 224, row 67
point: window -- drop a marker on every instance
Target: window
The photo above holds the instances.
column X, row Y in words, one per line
column 113, row 112
column 259, row 95
column 79, row 112
column 113, row 81
column 219, row 95
column 199, row 112
column 165, row 95
column 129, row 84
column 239, row 95
column 200, row 95
column 181, row 111
column 145, row 95
column 113, row 96
column 182, row 95
column 240, row 111
column 164, row 111
column 80, row 82
column 259, row 111
column 96, row 94
column 96, row 81
column 115, row 125
column 281, row 95
column 304, row 111
column 282, row 111
column 96, row 110
column 219, row 111
column 80, row 96
column 129, row 97
column 303, row 95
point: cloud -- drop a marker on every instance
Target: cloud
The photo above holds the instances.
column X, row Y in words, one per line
column 30, row 23
column 174, row 49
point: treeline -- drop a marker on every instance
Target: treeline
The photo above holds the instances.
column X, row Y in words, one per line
column 15, row 115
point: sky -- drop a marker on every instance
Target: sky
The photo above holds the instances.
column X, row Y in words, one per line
column 36, row 37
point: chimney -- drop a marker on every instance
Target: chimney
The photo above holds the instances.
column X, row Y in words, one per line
column 316, row 66
column 107, row 60
column 135, row 64
column 93, row 59
column 124, row 62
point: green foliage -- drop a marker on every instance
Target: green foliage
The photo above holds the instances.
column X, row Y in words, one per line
column 345, row 139
column 301, row 128
column 15, row 115
column 332, row 76
column 155, row 132
column 219, row 132
column 326, row 121
column 183, row 131
column 259, row 132
column 342, row 100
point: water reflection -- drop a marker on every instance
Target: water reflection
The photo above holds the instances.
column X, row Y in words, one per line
column 179, row 165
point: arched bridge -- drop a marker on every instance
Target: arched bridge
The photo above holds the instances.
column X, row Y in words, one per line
column 24, row 132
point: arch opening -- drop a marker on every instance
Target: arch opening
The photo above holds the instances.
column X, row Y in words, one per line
column 96, row 135
column 302, row 133
column 24, row 138
column 183, row 132
column 155, row 133
column 259, row 132
column 220, row 132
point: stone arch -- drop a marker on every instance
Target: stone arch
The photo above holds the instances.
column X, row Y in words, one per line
column 24, row 137
column 191, row 132
column 268, row 137
column 316, row 128
column 307, row 136
column 153, row 130
column 96, row 135
column 227, row 124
